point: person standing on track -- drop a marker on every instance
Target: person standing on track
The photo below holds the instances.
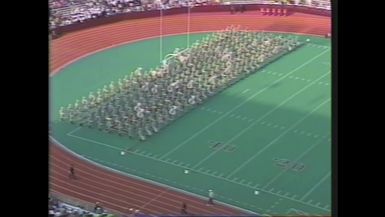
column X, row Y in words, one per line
column 184, row 209
column 72, row 172
column 211, row 198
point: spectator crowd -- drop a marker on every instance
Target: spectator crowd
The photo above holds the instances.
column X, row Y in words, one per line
column 66, row 12
column 57, row 208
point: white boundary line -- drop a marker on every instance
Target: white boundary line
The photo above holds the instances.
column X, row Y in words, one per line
column 245, row 91
column 263, row 123
column 241, row 104
column 65, row 65
column 316, row 185
column 145, row 180
column 261, row 118
column 76, row 129
column 93, row 141
column 276, row 139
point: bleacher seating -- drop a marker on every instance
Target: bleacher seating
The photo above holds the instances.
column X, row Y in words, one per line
column 321, row 4
column 65, row 12
column 57, row 208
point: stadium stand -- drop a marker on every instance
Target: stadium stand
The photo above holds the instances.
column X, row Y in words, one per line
column 58, row 208
column 66, row 12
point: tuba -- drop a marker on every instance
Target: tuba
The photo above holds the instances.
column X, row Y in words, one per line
column 191, row 100
column 172, row 111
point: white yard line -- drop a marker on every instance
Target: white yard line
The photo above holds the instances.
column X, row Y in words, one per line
column 275, row 140
column 76, row 129
column 261, row 118
column 316, row 185
column 239, row 105
column 245, row 91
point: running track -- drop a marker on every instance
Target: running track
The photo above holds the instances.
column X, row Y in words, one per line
column 118, row 192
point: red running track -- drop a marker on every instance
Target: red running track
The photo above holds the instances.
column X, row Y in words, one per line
column 116, row 191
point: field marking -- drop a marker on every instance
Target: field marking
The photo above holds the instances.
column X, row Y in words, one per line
column 276, row 139
column 104, row 185
column 76, row 129
column 296, row 211
column 299, row 78
column 275, row 203
column 260, row 119
column 91, row 140
column 316, row 185
column 296, row 160
column 245, row 91
column 145, row 179
column 157, row 177
column 240, row 104
column 317, row 46
column 193, row 170
column 243, row 203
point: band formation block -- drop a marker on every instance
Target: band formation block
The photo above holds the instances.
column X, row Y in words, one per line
column 142, row 103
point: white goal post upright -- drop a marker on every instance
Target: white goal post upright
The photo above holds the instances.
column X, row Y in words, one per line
column 188, row 22
column 161, row 32
column 189, row 6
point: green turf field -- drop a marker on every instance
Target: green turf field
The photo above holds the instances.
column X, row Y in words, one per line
column 269, row 132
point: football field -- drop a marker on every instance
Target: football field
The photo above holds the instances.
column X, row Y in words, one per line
column 263, row 144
